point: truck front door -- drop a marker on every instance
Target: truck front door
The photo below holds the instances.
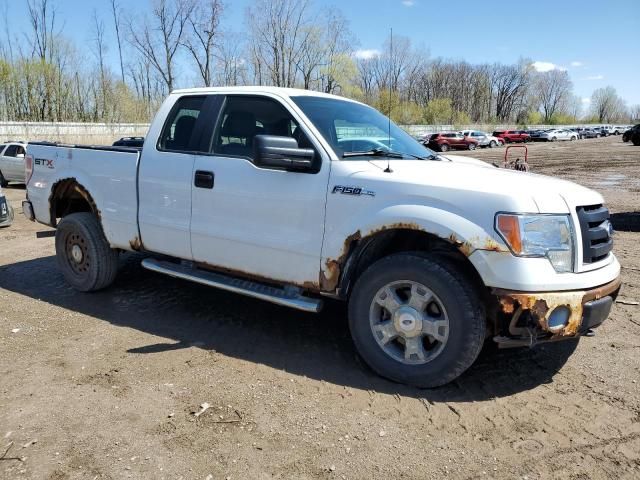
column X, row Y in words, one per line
column 253, row 220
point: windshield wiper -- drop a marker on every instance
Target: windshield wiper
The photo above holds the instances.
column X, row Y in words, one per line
column 380, row 152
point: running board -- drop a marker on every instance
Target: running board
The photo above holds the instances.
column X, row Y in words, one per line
column 288, row 298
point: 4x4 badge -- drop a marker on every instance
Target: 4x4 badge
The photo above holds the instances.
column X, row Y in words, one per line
column 352, row 191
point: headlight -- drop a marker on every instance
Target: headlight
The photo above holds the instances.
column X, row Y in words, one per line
column 547, row 236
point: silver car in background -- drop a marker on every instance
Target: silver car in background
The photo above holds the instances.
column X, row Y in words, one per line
column 12, row 162
column 557, row 134
column 484, row 139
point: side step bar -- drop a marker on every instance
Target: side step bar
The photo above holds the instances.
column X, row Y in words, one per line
column 288, row 298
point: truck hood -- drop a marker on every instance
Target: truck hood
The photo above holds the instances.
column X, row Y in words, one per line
column 549, row 194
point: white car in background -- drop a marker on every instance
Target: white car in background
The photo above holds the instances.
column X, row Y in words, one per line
column 484, row 139
column 558, row 134
column 12, row 162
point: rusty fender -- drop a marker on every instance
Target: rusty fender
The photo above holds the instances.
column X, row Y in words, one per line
column 541, row 304
column 78, row 188
column 330, row 274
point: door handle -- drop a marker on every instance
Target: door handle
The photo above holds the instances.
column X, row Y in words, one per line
column 203, row 179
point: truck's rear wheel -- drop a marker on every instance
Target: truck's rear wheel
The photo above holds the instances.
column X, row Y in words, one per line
column 416, row 320
column 87, row 261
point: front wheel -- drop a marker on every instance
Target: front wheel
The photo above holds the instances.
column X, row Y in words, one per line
column 87, row 261
column 553, row 139
column 471, row 146
column 493, row 144
column 573, row 138
column 415, row 319
column 444, row 147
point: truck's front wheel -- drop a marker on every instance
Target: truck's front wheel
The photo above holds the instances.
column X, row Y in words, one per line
column 87, row 261
column 416, row 320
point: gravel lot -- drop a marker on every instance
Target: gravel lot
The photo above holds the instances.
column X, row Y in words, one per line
column 104, row 385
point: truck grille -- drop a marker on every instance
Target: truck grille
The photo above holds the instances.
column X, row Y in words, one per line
column 596, row 234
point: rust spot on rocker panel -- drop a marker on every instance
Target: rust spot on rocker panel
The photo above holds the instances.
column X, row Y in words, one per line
column 541, row 305
column 312, row 286
column 135, row 244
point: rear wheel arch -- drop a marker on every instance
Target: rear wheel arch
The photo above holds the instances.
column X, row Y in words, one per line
column 69, row 196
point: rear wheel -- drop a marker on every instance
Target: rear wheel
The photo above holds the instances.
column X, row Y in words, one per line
column 87, row 261
column 573, row 138
column 416, row 319
column 471, row 146
column 553, row 139
column 444, row 147
column 493, row 144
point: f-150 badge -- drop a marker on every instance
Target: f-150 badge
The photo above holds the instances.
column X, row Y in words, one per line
column 352, row 191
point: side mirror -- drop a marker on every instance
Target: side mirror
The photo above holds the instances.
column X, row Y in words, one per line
column 273, row 151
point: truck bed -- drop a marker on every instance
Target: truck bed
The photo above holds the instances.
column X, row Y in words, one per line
column 109, row 173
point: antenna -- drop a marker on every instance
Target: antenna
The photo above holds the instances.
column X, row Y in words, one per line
column 388, row 169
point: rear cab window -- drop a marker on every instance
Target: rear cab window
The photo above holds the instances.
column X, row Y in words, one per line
column 178, row 131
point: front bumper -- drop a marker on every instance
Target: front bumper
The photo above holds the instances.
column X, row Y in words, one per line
column 526, row 318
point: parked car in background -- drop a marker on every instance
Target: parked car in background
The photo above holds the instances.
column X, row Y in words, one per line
column 591, row 133
column 484, row 139
column 619, row 129
column 134, row 142
column 443, row 142
column 626, row 136
column 512, row 136
column 557, row 134
column 6, row 212
column 12, row 162
column 579, row 131
column 606, row 130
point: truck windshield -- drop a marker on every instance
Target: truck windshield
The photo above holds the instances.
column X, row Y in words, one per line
column 352, row 127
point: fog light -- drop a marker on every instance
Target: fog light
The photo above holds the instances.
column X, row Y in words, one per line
column 559, row 317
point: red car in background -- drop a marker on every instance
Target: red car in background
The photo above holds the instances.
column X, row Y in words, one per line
column 443, row 142
column 512, row 136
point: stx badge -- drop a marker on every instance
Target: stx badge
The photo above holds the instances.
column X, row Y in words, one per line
column 43, row 162
column 352, row 191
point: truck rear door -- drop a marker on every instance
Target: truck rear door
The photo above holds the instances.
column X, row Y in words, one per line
column 166, row 176
column 251, row 219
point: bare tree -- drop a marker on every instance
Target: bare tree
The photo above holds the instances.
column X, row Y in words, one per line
column 42, row 18
column 115, row 11
column 552, row 89
column 200, row 41
column 159, row 42
column 606, row 104
column 99, row 51
column 231, row 65
column 279, row 36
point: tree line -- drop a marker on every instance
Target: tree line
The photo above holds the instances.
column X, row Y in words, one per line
column 45, row 76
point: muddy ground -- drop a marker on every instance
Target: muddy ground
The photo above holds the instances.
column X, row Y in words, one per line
column 104, row 385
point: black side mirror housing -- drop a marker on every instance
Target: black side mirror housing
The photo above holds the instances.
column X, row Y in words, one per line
column 272, row 151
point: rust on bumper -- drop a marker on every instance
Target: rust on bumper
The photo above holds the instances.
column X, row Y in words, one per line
column 528, row 313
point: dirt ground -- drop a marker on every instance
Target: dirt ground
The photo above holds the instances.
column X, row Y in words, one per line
column 104, row 385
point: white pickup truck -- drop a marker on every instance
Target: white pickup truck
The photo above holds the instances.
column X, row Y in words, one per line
column 255, row 190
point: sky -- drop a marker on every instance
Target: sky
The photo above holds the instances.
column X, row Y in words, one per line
column 595, row 41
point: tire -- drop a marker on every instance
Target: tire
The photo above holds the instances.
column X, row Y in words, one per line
column 456, row 302
column 573, row 138
column 471, row 146
column 597, row 135
column 493, row 144
column 444, row 147
column 553, row 139
column 636, row 140
column 84, row 256
column 3, row 182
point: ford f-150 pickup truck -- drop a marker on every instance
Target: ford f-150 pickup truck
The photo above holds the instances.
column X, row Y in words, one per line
column 255, row 190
